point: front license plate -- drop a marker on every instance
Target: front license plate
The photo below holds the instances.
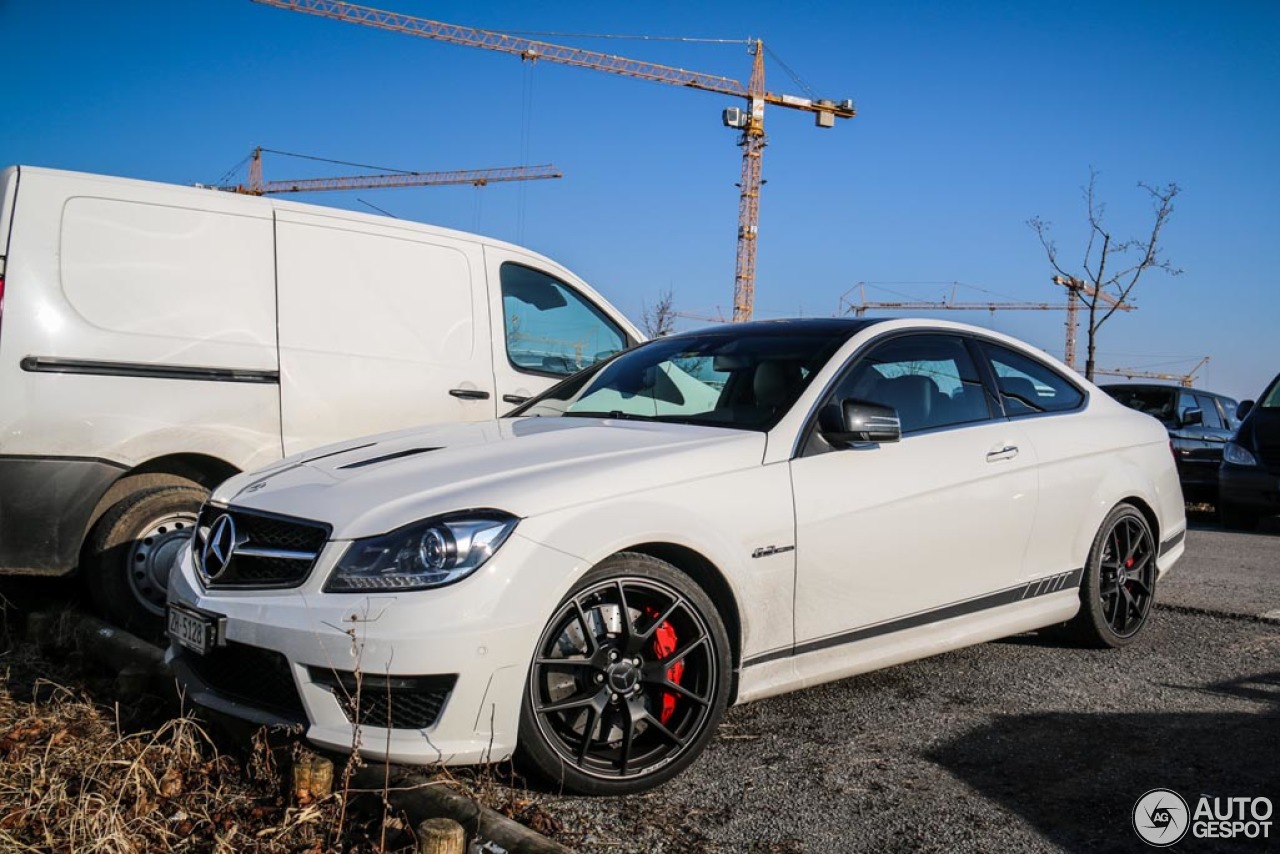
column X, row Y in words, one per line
column 192, row 629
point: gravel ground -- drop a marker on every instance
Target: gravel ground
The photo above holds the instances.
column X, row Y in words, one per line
column 1018, row 745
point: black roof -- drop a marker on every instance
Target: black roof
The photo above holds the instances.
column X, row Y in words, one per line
column 818, row 326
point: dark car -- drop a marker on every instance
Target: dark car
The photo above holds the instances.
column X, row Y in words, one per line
column 1200, row 423
column 1249, row 479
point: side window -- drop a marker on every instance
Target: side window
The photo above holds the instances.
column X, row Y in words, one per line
column 929, row 379
column 1212, row 419
column 550, row 328
column 1028, row 386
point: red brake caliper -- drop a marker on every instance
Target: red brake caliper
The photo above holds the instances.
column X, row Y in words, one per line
column 664, row 644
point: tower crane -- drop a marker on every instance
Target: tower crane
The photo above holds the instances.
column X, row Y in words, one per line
column 859, row 308
column 256, row 186
column 749, row 121
column 1186, row 380
column 1075, row 287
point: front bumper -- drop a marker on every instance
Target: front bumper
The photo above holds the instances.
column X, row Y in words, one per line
column 1246, row 486
column 472, row 640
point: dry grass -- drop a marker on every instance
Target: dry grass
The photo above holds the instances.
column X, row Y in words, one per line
column 75, row 778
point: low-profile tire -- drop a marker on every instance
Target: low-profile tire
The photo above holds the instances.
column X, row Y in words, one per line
column 131, row 549
column 1119, row 585
column 628, row 682
column 1237, row 518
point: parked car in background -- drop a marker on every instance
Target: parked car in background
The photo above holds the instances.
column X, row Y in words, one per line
column 1249, row 479
column 709, row 518
column 157, row 339
column 1200, row 423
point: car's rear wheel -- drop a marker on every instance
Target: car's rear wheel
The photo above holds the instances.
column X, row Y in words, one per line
column 628, row 681
column 1119, row 585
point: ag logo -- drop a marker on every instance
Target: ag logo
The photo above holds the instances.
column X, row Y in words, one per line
column 219, row 547
column 1161, row 818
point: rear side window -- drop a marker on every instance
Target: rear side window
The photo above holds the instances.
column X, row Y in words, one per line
column 1028, row 386
column 550, row 328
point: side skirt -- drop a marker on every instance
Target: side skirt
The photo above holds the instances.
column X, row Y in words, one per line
column 1021, row 609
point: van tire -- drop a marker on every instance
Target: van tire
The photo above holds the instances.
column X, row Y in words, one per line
column 130, row 550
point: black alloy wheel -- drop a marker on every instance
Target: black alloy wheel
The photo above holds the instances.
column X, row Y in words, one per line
column 628, row 681
column 1120, row 581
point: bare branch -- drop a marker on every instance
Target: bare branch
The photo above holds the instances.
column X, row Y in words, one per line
column 1112, row 267
column 661, row 320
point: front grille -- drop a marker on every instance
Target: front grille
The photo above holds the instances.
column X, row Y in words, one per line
column 257, row 677
column 258, row 550
column 389, row 702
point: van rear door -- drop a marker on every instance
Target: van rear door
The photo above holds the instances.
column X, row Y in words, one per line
column 381, row 327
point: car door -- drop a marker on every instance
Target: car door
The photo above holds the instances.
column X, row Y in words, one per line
column 905, row 529
column 544, row 327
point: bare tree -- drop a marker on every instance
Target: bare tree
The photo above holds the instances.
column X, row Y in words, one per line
column 1111, row 266
column 661, row 319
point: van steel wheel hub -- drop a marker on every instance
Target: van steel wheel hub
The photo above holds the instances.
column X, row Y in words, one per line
column 152, row 555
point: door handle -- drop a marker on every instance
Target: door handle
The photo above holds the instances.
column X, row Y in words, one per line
column 1008, row 452
column 514, row 398
column 469, row 393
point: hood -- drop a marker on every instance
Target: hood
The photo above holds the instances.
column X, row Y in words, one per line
column 524, row 466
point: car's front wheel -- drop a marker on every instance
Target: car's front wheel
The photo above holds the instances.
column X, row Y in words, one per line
column 628, row 681
column 1119, row 585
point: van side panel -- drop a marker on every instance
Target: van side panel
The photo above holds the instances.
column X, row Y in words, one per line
column 160, row 283
column 138, row 323
column 381, row 327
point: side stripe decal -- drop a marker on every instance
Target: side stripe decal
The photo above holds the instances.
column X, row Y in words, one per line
column 1030, row 590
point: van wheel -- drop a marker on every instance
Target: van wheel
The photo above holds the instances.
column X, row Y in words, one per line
column 131, row 549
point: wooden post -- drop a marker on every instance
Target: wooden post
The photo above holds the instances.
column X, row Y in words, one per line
column 441, row 836
column 312, row 778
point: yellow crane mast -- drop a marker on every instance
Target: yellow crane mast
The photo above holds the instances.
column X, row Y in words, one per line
column 749, row 121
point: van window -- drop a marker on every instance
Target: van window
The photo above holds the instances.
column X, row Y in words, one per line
column 550, row 328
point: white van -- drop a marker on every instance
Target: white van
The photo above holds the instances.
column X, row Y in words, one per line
column 156, row 339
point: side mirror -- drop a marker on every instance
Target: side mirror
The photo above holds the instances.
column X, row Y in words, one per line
column 1245, row 407
column 861, row 421
column 1191, row 417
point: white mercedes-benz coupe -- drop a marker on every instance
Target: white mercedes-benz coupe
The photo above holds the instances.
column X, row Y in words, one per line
column 706, row 519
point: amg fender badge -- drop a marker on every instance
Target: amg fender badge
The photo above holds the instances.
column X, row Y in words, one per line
column 765, row 551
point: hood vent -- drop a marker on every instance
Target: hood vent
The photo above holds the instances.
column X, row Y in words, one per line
column 397, row 455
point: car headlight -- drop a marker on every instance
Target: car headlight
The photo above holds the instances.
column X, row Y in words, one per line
column 1238, row 456
column 430, row 553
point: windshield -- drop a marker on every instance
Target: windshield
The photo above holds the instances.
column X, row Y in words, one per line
column 1153, row 400
column 725, row 378
column 1271, row 400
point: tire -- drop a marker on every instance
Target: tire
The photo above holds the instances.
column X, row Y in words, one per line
column 130, row 550
column 1119, row 585
column 1237, row 518
column 659, row 713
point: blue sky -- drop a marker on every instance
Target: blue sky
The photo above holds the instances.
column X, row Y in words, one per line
column 973, row 117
